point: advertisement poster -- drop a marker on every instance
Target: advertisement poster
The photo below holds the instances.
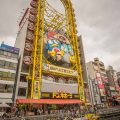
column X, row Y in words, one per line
column 58, row 50
column 99, row 81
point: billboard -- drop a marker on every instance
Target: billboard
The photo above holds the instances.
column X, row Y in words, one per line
column 9, row 48
column 57, row 49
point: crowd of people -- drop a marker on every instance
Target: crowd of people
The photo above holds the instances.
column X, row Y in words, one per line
column 26, row 110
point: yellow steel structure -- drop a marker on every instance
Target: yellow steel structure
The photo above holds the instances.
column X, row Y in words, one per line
column 48, row 17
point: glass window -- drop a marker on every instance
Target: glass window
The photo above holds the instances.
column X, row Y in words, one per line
column 13, row 75
column 1, row 74
column 2, row 88
column 14, row 65
column 2, row 63
column 9, row 88
column 11, row 65
column 23, row 79
column 1, row 52
column 14, row 55
column 22, row 92
column 7, row 64
column 5, row 74
column 9, row 75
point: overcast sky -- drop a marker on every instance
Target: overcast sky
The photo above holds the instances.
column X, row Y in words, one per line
column 98, row 22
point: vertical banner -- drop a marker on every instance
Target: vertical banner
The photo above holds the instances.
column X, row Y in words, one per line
column 36, row 88
column 101, row 87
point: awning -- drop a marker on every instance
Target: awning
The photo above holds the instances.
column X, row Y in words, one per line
column 48, row 101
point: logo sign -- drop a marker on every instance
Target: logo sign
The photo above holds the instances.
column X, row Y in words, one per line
column 61, row 95
column 56, row 69
column 36, row 86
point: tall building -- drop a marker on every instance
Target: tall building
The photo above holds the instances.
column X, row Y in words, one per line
column 118, row 76
column 84, row 71
column 8, row 68
column 98, row 81
column 113, row 81
column 50, row 66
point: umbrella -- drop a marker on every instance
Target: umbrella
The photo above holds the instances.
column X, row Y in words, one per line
column 4, row 105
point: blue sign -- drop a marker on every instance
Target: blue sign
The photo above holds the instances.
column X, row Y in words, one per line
column 9, row 48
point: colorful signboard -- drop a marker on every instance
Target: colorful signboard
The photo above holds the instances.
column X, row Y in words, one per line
column 57, row 49
column 53, row 68
column 61, row 95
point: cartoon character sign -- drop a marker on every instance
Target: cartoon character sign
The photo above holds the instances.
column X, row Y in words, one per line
column 58, row 48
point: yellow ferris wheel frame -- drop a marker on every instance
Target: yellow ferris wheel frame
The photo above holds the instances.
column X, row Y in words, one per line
column 37, row 54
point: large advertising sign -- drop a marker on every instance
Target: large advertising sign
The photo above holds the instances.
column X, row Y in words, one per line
column 58, row 50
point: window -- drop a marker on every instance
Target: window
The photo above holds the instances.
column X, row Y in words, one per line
column 14, row 55
column 9, row 88
column 14, row 65
column 1, row 52
column 13, row 75
column 7, row 64
column 7, row 76
column 4, row 74
column 1, row 74
column 5, row 88
column 2, row 63
column 23, row 79
column 22, row 92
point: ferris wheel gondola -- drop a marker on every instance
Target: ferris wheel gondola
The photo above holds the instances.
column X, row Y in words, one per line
column 34, row 4
column 30, row 36
column 31, row 26
column 33, row 11
column 32, row 18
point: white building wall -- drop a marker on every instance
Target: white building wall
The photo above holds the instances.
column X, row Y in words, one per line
column 48, row 86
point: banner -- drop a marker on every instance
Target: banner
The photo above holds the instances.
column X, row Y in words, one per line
column 61, row 70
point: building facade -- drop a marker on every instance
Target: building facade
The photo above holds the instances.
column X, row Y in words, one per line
column 113, row 81
column 8, row 68
column 60, row 74
column 118, row 76
column 98, row 81
column 84, row 71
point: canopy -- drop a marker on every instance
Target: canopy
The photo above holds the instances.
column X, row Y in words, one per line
column 49, row 101
column 4, row 105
